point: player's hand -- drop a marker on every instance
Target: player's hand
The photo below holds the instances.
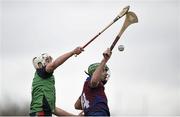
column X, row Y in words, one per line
column 78, row 50
column 107, row 54
column 81, row 113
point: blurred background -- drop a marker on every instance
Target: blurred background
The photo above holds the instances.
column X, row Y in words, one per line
column 145, row 77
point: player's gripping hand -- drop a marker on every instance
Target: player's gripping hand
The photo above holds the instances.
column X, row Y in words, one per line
column 78, row 50
column 107, row 54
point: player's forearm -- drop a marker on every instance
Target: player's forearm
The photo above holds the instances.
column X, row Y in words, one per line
column 61, row 112
column 96, row 77
column 61, row 59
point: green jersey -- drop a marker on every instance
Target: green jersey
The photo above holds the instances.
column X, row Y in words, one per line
column 43, row 87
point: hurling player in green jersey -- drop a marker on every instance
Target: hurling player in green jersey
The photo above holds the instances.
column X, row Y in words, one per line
column 43, row 102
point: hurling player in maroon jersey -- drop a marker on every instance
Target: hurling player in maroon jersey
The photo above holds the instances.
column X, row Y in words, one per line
column 93, row 100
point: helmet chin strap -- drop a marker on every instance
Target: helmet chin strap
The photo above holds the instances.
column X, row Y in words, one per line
column 86, row 72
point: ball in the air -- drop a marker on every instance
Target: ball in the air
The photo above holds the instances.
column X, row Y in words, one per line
column 121, row 48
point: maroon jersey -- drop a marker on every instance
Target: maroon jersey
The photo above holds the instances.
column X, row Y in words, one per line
column 94, row 100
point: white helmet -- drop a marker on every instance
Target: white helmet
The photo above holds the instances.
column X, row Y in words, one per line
column 41, row 60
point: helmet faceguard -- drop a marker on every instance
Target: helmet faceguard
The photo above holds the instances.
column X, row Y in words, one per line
column 41, row 61
column 46, row 58
column 107, row 76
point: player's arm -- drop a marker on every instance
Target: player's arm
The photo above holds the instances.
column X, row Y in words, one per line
column 61, row 59
column 77, row 105
column 61, row 112
column 96, row 77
